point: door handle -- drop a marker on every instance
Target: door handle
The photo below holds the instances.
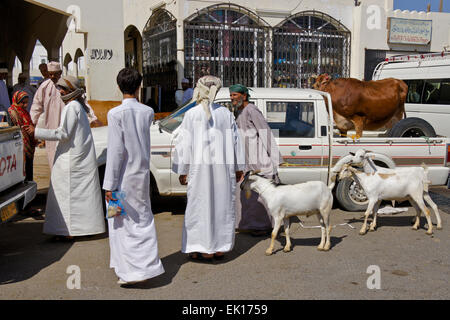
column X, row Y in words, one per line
column 305, row 147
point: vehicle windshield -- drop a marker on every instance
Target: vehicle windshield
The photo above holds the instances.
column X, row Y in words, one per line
column 171, row 122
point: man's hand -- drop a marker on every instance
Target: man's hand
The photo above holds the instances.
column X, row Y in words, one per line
column 29, row 129
column 183, row 179
column 108, row 196
column 239, row 176
column 41, row 144
column 96, row 123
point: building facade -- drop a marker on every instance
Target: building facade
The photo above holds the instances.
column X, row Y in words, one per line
column 259, row 43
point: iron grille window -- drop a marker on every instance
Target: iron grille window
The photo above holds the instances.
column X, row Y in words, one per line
column 159, row 46
column 230, row 42
column 308, row 44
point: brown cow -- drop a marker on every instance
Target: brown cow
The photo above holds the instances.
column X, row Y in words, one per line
column 364, row 105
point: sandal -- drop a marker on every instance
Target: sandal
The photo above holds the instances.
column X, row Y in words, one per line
column 199, row 257
column 219, row 256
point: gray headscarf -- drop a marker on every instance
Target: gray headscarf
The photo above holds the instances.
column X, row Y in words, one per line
column 71, row 84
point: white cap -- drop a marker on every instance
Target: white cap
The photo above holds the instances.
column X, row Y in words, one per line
column 53, row 66
column 185, row 80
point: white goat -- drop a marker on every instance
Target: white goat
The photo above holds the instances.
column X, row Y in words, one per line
column 284, row 201
column 391, row 184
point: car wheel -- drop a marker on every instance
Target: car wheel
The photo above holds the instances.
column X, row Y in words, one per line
column 350, row 195
column 412, row 127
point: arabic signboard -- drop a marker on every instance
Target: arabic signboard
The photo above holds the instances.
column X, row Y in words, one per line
column 409, row 31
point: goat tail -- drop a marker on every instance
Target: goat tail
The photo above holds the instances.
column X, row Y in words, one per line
column 333, row 181
column 426, row 182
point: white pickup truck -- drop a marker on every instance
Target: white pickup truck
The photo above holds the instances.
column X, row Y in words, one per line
column 307, row 140
column 15, row 192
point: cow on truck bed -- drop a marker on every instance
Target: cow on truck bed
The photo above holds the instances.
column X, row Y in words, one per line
column 364, row 105
column 15, row 192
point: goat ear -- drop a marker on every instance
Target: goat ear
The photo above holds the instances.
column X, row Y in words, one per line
column 352, row 153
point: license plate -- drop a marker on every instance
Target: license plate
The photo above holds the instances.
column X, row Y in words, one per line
column 9, row 211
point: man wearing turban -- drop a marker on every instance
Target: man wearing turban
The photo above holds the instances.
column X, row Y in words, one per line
column 209, row 158
column 74, row 200
column 261, row 153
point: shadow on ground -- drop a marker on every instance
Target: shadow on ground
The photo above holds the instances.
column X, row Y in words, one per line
column 21, row 260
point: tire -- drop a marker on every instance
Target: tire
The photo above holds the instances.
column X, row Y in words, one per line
column 349, row 195
column 412, row 127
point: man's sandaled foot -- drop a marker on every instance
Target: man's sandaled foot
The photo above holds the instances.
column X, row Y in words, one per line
column 201, row 256
column 219, row 255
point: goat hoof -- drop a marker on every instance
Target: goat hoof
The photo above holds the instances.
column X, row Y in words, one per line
column 286, row 250
column 362, row 233
column 268, row 253
column 429, row 233
column 414, row 228
column 320, row 248
column 439, row 227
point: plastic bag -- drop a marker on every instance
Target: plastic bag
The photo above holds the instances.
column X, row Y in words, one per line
column 114, row 205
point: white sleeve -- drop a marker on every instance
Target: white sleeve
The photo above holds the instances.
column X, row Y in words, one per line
column 239, row 150
column 183, row 148
column 115, row 154
column 91, row 115
column 69, row 119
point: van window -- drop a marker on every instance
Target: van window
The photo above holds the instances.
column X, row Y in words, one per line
column 444, row 97
column 430, row 91
column 292, row 119
column 415, row 88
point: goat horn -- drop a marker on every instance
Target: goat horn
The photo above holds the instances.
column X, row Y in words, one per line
column 352, row 153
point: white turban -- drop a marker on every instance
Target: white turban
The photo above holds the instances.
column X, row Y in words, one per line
column 205, row 92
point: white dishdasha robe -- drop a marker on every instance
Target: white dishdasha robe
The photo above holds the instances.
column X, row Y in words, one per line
column 132, row 237
column 209, row 152
column 74, row 200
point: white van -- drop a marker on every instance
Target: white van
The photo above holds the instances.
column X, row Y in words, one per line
column 428, row 80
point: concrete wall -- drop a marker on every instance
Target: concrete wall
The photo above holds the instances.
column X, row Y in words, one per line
column 360, row 20
column 100, row 28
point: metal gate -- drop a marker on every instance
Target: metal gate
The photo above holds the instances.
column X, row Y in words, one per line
column 308, row 44
column 159, row 45
column 228, row 41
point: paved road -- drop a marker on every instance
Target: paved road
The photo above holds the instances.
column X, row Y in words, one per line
column 412, row 265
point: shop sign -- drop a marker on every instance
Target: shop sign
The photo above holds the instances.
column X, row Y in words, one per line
column 409, row 31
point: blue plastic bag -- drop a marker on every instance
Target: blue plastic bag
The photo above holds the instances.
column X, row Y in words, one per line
column 113, row 205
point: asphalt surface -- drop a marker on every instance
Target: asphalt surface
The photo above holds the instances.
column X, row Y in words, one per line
column 411, row 264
